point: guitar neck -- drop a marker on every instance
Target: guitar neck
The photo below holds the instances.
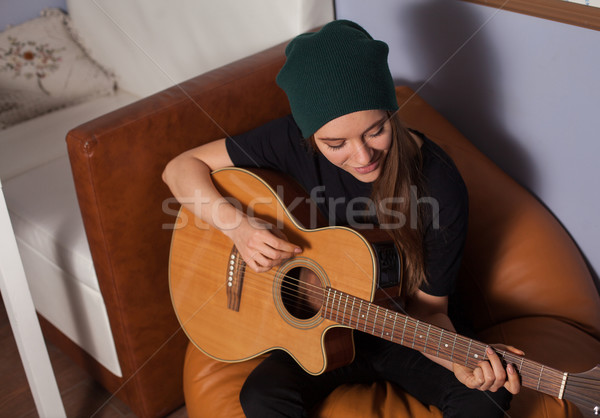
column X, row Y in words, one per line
column 367, row 317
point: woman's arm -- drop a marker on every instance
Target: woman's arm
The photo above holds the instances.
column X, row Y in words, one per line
column 188, row 177
column 488, row 375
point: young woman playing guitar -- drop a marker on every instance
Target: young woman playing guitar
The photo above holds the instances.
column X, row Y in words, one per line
column 346, row 146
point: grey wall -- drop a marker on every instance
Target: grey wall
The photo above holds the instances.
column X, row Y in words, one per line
column 14, row 12
column 524, row 90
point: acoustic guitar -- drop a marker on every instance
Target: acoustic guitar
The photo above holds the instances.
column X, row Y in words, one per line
column 232, row 313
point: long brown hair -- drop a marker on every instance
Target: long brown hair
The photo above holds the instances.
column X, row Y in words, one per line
column 400, row 183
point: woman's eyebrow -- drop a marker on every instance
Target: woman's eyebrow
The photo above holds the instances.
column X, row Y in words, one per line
column 376, row 124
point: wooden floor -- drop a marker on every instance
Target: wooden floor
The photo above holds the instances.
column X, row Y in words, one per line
column 81, row 395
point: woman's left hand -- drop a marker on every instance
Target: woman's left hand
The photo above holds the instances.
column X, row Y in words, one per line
column 490, row 374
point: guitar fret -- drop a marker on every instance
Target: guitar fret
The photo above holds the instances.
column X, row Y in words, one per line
column 337, row 312
column 437, row 354
column 521, row 365
column 332, row 304
column 468, row 352
column 415, row 335
column 345, row 307
column 367, row 318
column 383, row 325
column 375, row 319
column 404, row 329
column 394, row 326
column 327, row 302
column 453, row 346
column 333, row 298
column 343, row 312
column 360, row 315
column 352, row 312
column 427, row 339
column 540, row 377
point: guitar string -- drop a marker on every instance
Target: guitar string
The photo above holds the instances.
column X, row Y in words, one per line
column 464, row 343
column 585, row 380
column 582, row 400
column 551, row 382
column 294, row 285
column 308, row 289
column 292, row 292
column 582, row 382
column 461, row 345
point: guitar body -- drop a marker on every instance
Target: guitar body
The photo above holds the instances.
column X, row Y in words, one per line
column 238, row 316
column 233, row 314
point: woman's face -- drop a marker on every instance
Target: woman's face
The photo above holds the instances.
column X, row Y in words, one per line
column 357, row 142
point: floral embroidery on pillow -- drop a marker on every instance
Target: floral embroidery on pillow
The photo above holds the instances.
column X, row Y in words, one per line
column 30, row 59
column 44, row 67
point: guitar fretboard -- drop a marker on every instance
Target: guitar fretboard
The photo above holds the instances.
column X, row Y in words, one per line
column 365, row 316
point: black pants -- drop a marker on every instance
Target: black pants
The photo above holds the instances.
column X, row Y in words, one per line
column 278, row 387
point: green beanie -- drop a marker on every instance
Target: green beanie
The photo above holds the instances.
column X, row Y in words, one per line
column 338, row 70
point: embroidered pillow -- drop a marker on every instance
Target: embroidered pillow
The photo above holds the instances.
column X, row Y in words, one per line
column 44, row 68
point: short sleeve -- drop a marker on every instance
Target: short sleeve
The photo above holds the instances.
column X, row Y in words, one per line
column 272, row 145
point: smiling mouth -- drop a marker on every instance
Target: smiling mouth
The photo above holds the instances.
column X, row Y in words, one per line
column 370, row 167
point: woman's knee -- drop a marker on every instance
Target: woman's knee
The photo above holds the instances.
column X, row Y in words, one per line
column 254, row 397
column 271, row 391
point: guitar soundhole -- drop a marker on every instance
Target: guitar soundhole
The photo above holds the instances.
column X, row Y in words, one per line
column 302, row 293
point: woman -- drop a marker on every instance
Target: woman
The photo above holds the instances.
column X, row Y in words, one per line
column 343, row 143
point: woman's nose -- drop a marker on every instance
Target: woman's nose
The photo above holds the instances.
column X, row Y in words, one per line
column 363, row 153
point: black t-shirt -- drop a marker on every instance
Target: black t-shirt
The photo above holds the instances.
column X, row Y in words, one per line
column 279, row 145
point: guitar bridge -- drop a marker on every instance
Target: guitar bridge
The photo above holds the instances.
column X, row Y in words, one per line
column 235, row 278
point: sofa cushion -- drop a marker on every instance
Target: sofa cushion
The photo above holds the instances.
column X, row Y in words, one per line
column 56, row 257
column 43, row 68
column 45, row 215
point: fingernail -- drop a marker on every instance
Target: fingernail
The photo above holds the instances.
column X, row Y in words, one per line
column 510, row 369
column 298, row 250
column 489, row 350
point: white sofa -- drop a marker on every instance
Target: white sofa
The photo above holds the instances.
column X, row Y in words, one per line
column 149, row 45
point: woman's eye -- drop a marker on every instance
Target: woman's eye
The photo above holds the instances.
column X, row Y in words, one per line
column 379, row 131
column 336, row 147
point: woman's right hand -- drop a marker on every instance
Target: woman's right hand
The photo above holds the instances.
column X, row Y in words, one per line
column 260, row 244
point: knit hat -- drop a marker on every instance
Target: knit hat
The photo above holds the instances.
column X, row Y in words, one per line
column 338, row 70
